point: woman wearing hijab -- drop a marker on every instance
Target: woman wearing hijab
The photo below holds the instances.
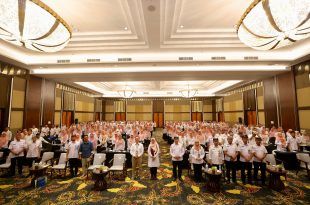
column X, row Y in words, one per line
column 153, row 158
column 197, row 154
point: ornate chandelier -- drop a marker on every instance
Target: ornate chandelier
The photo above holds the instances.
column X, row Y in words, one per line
column 188, row 93
column 271, row 24
column 126, row 92
column 32, row 24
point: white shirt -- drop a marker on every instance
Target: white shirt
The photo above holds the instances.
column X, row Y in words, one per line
column 9, row 135
column 216, row 154
column 231, row 150
column 28, row 138
column 17, row 146
column 34, row 131
column 293, row 143
column 136, row 150
column 177, row 150
column 34, row 149
column 259, row 151
column 245, row 150
column 197, row 156
column 73, row 149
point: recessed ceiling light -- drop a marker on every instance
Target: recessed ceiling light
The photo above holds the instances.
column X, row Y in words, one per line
column 181, row 26
column 126, row 28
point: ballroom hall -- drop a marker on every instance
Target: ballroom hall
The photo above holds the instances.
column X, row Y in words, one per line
column 154, row 102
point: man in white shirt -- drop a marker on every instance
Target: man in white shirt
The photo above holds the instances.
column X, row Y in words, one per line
column 136, row 151
column 17, row 148
column 33, row 150
column 216, row 154
column 177, row 151
column 34, row 130
column 259, row 153
column 246, row 158
column 231, row 153
column 293, row 142
column 73, row 155
column 45, row 131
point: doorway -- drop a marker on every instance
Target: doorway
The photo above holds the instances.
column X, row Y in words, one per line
column 220, row 117
column 197, row 116
column 67, row 118
column 250, row 117
column 158, row 118
column 97, row 116
column 120, row 116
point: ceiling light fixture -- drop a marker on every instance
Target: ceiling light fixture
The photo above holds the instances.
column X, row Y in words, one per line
column 33, row 25
column 271, row 24
column 126, row 92
column 188, row 93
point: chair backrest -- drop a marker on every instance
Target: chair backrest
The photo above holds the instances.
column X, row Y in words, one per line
column 303, row 157
column 270, row 158
column 62, row 158
column 99, row 158
column 119, row 159
column 47, row 156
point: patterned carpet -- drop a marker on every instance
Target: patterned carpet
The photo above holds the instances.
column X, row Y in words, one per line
column 164, row 191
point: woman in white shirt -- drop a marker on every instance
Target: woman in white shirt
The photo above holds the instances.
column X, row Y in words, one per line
column 197, row 154
column 153, row 158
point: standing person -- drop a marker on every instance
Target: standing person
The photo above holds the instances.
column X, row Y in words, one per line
column 33, row 150
column 17, row 148
column 8, row 133
column 136, row 151
column 293, row 142
column 246, row 158
column 85, row 152
column 177, row 151
column 197, row 154
column 153, row 158
column 73, row 155
column 230, row 151
column 259, row 152
column 216, row 154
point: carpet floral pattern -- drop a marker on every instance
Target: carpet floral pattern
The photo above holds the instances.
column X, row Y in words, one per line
column 145, row 191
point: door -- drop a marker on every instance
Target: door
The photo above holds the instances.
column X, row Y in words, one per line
column 158, row 118
column 120, row 116
column 220, row 117
column 2, row 119
column 97, row 116
column 67, row 118
column 250, row 118
column 197, row 116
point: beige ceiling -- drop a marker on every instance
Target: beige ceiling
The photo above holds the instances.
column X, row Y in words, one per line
column 152, row 34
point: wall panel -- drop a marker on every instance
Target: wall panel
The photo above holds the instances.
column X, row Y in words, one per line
column 48, row 97
column 270, row 102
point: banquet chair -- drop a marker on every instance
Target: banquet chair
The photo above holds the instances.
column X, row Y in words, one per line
column 47, row 158
column 271, row 160
column 62, row 165
column 118, row 164
column 304, row 162
column 7, row 165
column 99, row 159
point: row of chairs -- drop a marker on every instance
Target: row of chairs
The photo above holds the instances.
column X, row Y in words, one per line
column 62, row 164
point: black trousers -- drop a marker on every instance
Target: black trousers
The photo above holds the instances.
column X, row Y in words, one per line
column 74, row 166
column 262, row 167
column 30, row 161
column 177, row 165
column 153, row 171
column 19, row 161
column 248, row 167
column 197, row 172
column 231, row 167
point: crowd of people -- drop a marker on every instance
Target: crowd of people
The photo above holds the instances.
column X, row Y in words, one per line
column 207, row 144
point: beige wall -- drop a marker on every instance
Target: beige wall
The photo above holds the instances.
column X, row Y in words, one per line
column 233, row 117
column 303, row 99
column 84, row 117
column 18, row 102
column 58, row 99
column 177, row 110
column 57, row 118
column 139, row 110
column 233, row 102
column 260, row 105
column 84, row 103
column 109, row 116
column 207, row 116
column 177, row 117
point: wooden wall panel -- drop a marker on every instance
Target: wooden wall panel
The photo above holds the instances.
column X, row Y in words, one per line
column 33, row 102
column 287, row 100
column 48, row 102
column 158, row 106
column 270, row 102
column 249, row 100
column 5, row 89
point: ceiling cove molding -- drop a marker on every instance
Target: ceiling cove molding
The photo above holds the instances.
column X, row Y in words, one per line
column 172, row 36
